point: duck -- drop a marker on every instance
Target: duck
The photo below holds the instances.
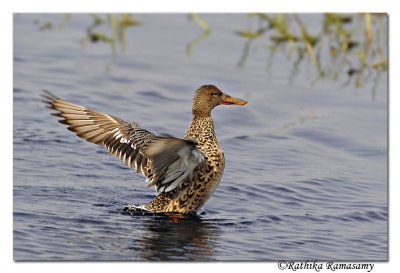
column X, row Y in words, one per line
column 184, row 171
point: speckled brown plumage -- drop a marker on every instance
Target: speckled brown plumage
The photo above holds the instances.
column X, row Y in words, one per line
column 195, row 191
column 185, row 171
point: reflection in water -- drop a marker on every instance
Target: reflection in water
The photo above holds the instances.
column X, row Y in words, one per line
column 342, row 46
column 168, row 238
column 204, row 35
column 118, row 25
column 337, row 49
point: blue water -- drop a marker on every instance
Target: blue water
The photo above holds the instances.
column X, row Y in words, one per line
column 306, row 167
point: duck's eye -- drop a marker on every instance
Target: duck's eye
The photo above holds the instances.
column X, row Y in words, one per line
column 215, row 94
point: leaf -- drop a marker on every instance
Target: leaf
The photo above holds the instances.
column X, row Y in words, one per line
column 249, row 34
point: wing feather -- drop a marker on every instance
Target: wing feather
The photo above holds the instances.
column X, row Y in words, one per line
column 165, row 161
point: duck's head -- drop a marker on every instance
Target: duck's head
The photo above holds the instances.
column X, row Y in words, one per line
column 209, row 96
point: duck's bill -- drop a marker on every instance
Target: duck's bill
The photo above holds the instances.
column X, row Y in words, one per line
column 232, row 100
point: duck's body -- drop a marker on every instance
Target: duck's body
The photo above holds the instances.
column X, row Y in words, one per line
column 185, row 171
column 195, row 191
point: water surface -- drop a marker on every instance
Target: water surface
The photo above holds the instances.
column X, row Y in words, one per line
column 306, row 168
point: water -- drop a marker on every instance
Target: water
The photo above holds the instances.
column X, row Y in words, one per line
column 306, row 168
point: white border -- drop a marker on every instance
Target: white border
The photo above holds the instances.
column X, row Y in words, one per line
column 202, row 6
column 9, row 7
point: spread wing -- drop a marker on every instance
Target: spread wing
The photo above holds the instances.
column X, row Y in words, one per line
column 165, row 161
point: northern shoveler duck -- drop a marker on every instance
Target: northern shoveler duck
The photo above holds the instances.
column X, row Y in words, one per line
column 184, row 171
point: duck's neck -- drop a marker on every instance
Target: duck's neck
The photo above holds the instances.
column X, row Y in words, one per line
column 201, row 112
column 201, row 129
